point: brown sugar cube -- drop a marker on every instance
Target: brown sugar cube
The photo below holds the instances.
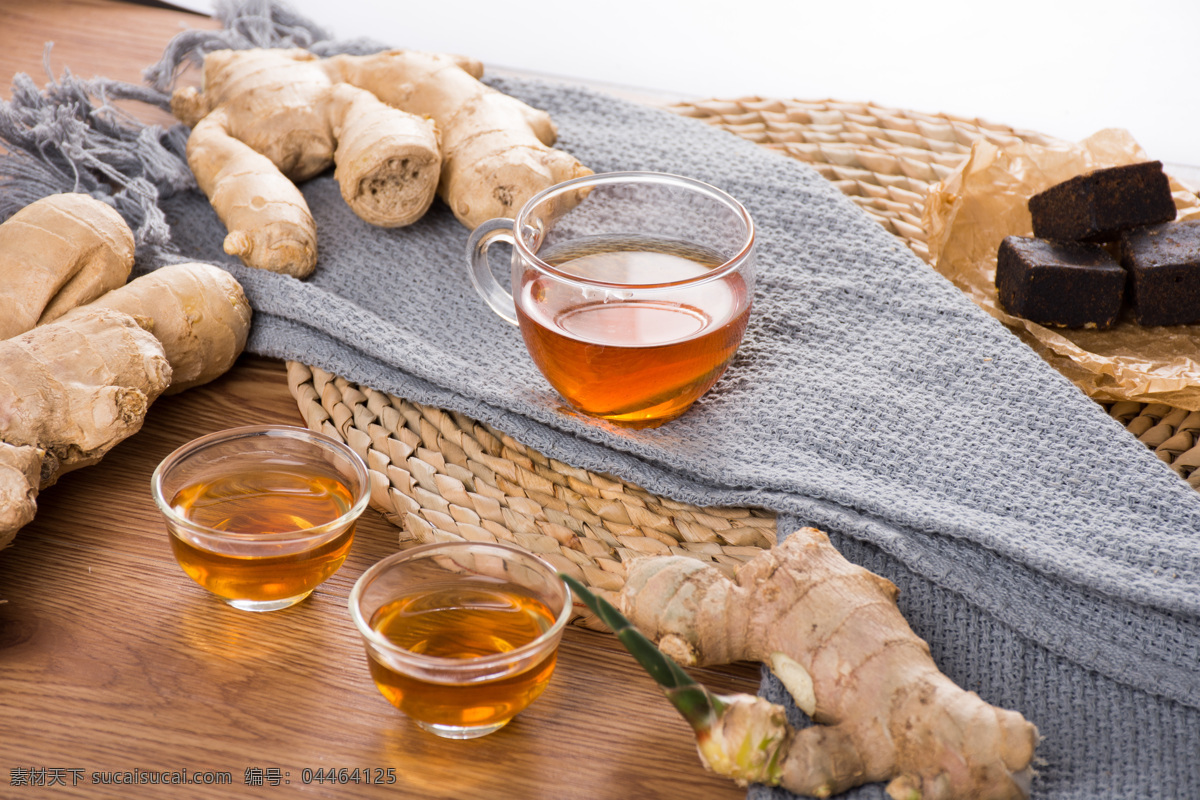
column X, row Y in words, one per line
column 1063, row 284
column 1164, row 273
column 1097, row 206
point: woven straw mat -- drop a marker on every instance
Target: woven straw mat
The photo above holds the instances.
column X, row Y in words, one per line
column 441, row 476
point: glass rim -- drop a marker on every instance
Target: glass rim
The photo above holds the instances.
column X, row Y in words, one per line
column 633, row 177
column 361, row 498
column 442, row 662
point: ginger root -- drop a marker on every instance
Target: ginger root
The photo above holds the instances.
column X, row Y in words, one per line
column 20, row 475
column 71, row 389
column 76, row 388
column 395, row 192
column 834, row 636
column 198, row 313
column 59, row 252
column 270, row 117
column 496, row 151
column 268, row 222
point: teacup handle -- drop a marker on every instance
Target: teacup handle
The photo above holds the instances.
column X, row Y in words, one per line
column 481, row 272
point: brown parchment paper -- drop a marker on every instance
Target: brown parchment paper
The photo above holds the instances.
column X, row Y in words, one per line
column 969, row 212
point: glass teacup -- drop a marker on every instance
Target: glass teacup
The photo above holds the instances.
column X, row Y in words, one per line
column 461, row 636
column 261, row 515
column 632, row 290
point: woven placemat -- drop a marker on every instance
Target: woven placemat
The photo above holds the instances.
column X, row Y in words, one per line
column 439, row 476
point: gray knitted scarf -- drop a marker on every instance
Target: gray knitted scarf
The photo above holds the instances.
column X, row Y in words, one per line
column 1051, row 561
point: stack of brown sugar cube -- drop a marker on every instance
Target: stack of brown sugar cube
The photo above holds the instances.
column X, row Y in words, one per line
column 1101, row 241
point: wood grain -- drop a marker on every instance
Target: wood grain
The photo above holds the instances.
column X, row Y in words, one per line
column 111, row 659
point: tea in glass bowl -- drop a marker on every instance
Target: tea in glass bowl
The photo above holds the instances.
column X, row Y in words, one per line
column 668, row 348
column 461, row 636
column 632, row 290
column 260, row 516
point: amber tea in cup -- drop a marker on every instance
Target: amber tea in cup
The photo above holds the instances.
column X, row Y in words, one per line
column 632, row 290
column 260, row 516
column 461, row 636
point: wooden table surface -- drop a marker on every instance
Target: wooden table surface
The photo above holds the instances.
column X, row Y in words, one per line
column 113, row 661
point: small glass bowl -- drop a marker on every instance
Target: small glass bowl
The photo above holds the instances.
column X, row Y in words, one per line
column 261, row 515
column 461, row 636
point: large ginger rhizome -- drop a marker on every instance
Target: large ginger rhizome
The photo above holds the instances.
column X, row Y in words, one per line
column 400, row 126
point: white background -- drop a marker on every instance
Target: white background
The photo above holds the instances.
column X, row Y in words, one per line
column 1066, row 69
